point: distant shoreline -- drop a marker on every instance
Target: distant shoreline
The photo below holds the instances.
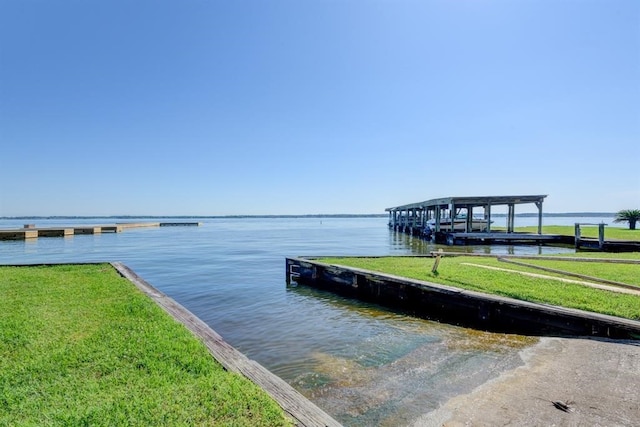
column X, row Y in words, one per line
column 521, row 215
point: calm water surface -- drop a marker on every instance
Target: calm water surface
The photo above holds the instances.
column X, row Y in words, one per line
column 361, row 363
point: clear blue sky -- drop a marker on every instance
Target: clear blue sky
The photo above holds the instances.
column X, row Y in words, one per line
column 316, row 106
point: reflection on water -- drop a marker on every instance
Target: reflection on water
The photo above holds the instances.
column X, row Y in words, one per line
column 420, row 246
column 399, row 367
column 399, row 391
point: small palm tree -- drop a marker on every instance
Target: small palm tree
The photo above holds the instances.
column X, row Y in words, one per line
column 628, row 215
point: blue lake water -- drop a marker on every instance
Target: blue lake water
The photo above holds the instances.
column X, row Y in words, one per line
column 362, row 364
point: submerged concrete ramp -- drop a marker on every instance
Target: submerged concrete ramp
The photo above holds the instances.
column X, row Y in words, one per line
column 596, row 379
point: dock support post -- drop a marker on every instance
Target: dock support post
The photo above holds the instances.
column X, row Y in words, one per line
column 405, row 221
column 539, row 206
column 511, row 218
column 453, row 217
column 412, row 225
column 601, row 235
column 577, row 234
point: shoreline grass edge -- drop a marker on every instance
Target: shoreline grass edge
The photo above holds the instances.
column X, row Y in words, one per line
column 458, row 271
column 303, row 411
column 456, row 304
column 75, row 338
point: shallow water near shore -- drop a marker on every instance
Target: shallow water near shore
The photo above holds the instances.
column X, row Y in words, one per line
column 361, row 363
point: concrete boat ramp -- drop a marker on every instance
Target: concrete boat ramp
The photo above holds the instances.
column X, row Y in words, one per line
column 584, row 371
column 597, row 380
column 30, row 231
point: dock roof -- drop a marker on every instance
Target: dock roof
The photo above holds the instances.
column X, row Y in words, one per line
column 466, row 202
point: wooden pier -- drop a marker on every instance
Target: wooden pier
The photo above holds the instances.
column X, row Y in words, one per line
column 454, row 220
column 455, row 215
column 30, row 231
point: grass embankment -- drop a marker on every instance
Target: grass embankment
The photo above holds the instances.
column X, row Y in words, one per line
column 591, row 231
column 80, row 345
column 457, row 272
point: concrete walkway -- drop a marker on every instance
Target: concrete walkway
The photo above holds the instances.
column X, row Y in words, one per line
column 599, row 379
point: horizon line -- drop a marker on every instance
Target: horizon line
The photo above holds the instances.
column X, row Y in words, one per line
column 338, row 215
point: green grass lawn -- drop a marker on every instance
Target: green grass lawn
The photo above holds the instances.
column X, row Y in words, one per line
column 455, row 271
column 610, row 233
column 80, row 345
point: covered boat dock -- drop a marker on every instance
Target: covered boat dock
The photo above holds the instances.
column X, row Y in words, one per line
column 465, row 219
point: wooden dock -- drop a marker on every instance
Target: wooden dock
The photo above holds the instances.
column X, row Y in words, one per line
column 483, row 238
column 436, row 217
column 30, row 231
column 452, row 221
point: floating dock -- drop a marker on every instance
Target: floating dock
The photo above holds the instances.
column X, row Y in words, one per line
column 30, row 231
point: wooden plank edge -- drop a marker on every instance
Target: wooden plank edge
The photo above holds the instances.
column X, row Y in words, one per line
column 303, row 411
